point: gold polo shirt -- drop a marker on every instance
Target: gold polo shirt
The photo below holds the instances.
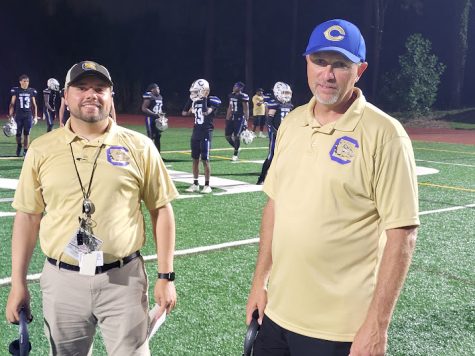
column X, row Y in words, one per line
column 129, row 170
column 336, row 188
column 258, row 110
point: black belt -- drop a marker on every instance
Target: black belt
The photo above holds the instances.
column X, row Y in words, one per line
column 99, row 269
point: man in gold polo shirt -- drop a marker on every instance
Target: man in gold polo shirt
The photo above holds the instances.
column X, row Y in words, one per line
column 259, row 112
column 339, row 227
column 81, row 189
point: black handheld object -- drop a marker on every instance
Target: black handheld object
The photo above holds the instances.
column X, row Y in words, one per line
column 21, row 346
column 251, row 333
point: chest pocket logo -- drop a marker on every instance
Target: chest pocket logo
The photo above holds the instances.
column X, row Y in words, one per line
column 343, row 150
column 118, row 156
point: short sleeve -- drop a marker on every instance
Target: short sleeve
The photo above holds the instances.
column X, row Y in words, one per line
column 28, row 195
column 158, row 188
column 395, row 184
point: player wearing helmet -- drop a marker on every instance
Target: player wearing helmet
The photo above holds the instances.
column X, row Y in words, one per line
column 152, row 107
column 236, row 117
column 278, row 108
column 23, row 108
column 63, row 110
column 9, row 129
column 51, row 97
column 204, row 109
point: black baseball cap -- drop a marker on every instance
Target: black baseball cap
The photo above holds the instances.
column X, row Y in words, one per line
column 87, row 68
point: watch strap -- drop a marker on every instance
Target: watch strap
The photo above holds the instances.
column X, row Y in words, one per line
column 169, row 276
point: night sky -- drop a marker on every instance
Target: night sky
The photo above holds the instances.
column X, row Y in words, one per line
column 145, row 41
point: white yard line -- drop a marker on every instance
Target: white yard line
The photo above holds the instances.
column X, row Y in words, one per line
column 191, row 251
column 221, row 149
column 3, row 214
column 447, row 163
column 447, row 209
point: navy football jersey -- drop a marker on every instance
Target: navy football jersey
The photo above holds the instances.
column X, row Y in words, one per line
column 23, row 102
column 281, row 111
column 66, row 109
column 156, row 102
column 53, row 98
column 236, row 101
column 203, row 121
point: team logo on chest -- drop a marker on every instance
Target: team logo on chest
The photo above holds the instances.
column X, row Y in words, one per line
column 118, row 156
column 344, row 149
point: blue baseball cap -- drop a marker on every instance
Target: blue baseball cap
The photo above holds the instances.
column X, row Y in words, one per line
column 339, row 36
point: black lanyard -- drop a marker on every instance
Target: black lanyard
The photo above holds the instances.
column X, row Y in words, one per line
column 84, row 193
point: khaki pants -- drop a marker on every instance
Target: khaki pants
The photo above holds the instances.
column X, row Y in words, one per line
column 116, row 301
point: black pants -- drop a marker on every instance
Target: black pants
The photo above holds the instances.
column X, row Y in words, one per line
column 274, row 340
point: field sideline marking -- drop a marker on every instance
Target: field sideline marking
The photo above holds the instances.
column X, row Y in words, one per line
column 449, row 151
column 447, row 163
column 194, row 250
column 447, row 209
column 446, row 187
column 220, row 149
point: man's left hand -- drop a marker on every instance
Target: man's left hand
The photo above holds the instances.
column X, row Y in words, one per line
column 370, row 340
column 165, row 295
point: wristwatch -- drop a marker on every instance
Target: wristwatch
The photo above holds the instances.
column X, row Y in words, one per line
column 168, row 276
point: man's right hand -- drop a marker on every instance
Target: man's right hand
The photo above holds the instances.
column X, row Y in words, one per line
column 257, row 300
column 18, row 298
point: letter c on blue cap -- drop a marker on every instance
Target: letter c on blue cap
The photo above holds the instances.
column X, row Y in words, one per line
column 328, row 33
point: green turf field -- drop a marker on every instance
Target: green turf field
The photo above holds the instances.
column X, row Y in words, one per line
column 436, row 311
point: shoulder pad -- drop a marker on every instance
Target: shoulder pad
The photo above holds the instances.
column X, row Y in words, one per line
column 147, row 95
column 273, row 104
column 244, row 97
column 14, row 90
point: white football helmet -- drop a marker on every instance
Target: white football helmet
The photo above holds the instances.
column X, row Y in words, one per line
column 282, row 92
column 199, row 89
column 9, row 129
column 161, row 122
column 53, row 84
column 247, row 137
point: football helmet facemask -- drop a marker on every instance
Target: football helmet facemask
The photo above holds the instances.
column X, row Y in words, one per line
column 199, row 89
column 161, row 123
column 282, row 92
column 9, row 129
column 247, row 136
column 53, row 84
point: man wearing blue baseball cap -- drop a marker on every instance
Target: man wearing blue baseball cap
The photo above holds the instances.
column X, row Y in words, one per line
column 340, row 224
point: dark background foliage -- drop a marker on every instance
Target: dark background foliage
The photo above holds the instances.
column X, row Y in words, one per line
column 175, row 42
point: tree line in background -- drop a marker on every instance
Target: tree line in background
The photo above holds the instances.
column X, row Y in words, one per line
column 414, row 85
column 257, row 41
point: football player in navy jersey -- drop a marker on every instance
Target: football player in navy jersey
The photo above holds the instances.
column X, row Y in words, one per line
column 24, row 110
column 152, row 107
column 277, row 109
column 236, row 117
column 63, row 110
column 51, row 98
column 204, row 109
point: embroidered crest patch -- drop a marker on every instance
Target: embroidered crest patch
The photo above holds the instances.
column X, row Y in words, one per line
column 118, row 156
column 343, row 150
